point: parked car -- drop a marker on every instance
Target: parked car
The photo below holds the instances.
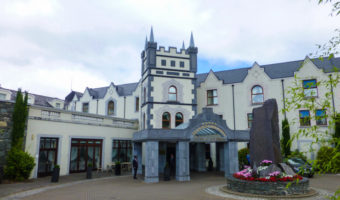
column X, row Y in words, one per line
column 301, row 167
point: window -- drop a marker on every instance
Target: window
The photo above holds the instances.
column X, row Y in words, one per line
column 111, row 108
column 73, row 106
column 121, row 151
column 221, row 116
column 2, row 96
column 166, row 120
column 310, row 88
column 250, row 119
column 163, row 62
column 86, row 107
column 137, row 104
column 179, row 118
column 143, row 121
column 144, row 96
column 321, row 118
column 172, row 93
column 57, row 105
column 257, row 94
column 212, row 97
column 181, row 64
column 173, row 63
column 304, row 118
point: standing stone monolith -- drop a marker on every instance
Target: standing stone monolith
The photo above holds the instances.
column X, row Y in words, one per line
column 264, row 134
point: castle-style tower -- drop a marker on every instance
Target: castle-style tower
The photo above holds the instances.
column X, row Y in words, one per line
column 168, row 85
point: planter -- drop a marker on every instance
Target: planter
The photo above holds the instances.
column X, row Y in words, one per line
column 55, row 175
column 117, row 169
column 167, row 173
column 89, row 173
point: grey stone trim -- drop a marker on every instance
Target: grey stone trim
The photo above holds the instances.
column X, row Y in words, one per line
column 200, row 156
column 194, row 92
column 166, row 85
column 171, row 103
column 115, row 106
column 154, row 75
column 192, row 51
column 172, row 73
column 159, row 112
column 168, row 51
column 185, row 74
column 172, row 69
column 159, row 72
column 149, row 98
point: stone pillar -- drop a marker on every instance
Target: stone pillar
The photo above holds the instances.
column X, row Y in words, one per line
column 200, row 157
column 230, row 158
column 137, row 151
column 151, row 162
column 221, row 157
column 182, row 161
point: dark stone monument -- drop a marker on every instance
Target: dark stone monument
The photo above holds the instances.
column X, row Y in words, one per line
column 264, row 134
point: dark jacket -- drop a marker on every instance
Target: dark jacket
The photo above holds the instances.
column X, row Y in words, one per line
column 135, row 164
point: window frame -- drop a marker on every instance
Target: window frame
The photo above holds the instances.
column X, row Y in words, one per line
column 316, row 86
column 88, row 107
column 325, row 117
column 173, row 63
column 171, row 93
column 108, row 109
column 163, row 62
column 212, row 97
column 181, row 64
column 137, row 104
column 248, row 120
column 302, row 119
column 176, row 120
column 166, row 121
column 252, row 95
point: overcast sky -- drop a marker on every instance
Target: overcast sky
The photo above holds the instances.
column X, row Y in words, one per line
column 49, row 46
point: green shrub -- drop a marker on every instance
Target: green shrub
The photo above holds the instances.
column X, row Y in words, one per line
column 297, row 154
column 328, row 160
column 19, row 165
column 242, row 157
column 285, row 141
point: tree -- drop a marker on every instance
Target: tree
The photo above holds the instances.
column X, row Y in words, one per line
column 19, row 120
column 285, row 142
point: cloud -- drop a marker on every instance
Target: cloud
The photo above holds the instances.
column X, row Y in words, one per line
column 46, row 45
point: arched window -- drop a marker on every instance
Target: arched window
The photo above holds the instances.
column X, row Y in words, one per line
column 172, row 93
column 179, row 118
column 257, row 94
column 111, row 108
column 166, row 120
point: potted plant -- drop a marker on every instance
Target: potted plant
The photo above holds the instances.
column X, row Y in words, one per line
column 167, row 172
column 89, row 171
column 117, row 168
column 55, row 174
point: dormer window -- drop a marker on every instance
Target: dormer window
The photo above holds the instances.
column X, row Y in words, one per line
column 85, row 107
column 172, row 95
column 257, row 95
column 110, row 108
column 57, row 105
column 310, row 88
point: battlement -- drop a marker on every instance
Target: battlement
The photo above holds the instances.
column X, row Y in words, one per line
column 171, row 51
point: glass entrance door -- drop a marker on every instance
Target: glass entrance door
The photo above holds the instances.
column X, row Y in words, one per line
column 83, row 152
column 48, row 154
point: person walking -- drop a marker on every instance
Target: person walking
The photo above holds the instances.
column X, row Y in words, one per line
column 135, row 167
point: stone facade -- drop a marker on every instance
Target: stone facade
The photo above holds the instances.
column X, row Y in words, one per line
column 6, row 112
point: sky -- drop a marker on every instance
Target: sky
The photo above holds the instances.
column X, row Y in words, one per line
column 49, row 47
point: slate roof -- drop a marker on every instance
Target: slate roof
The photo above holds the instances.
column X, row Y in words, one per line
column 99, row 93
column 39, row 100
column 277, row 70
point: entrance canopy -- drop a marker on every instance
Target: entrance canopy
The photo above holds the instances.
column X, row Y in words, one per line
column 204, row 127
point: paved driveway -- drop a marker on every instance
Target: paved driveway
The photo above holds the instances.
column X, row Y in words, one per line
column 125, row 188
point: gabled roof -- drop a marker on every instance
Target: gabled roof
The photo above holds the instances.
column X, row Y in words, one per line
column 277, row 70
column 39, row 100
column 70, row 96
